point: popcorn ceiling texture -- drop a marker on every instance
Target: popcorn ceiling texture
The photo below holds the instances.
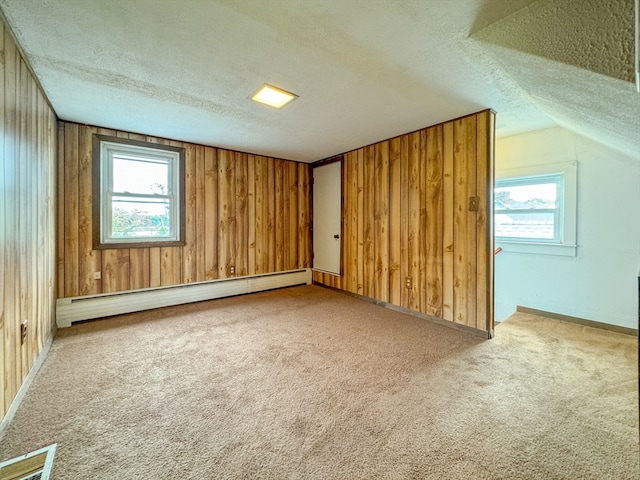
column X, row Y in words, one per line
column 575, row 60
column 186, row 70
column 594, row 35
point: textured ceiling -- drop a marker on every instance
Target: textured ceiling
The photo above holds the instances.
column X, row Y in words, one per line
column 365, row 70
column 575, row 59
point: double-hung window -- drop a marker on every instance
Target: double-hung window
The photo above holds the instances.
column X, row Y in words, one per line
column 138, row 193
column 530, row 208
column 535, row 209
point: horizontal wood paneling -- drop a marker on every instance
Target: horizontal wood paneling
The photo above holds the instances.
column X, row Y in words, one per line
column 406, row 216
column 27, row 219
column 244, row 211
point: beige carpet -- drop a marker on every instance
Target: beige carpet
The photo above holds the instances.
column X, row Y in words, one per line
column 307, row 383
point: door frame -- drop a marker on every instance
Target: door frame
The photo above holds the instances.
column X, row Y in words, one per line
column 314, row 165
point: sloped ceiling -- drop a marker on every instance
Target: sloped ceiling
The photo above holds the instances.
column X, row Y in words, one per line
column 575, row 59
column 365, row 70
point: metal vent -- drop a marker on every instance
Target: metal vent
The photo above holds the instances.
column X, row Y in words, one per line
column 36, row 465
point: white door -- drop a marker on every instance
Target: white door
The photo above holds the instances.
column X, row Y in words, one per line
column 327, row 194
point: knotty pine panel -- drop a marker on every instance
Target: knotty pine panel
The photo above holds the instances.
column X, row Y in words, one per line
column 244, row 211
column 28, row 134
column 406, row 216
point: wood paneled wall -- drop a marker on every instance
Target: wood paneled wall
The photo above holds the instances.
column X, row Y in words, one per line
column 406, row 216
column 242, row 210
column 27, row 219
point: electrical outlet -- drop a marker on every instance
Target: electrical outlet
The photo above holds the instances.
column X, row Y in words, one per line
column 408, row 283
column 23, row 332
column 232, row 270
column 97, row 275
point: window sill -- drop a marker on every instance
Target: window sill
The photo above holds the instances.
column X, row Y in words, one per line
column 538, row 248
column 139, row 244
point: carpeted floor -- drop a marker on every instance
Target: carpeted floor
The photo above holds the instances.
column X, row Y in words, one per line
column 307, row 383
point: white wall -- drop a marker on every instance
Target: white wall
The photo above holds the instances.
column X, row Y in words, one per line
column 600, row 283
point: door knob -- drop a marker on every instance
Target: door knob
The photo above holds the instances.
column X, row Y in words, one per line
column 336, row 236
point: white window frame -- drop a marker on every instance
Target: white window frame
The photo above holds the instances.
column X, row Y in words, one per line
column 105, row 149
column 564, row 242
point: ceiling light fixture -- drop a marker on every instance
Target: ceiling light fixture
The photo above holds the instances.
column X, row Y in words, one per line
column 273, row 96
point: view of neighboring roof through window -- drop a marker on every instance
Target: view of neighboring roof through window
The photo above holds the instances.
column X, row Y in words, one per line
column 529, row 208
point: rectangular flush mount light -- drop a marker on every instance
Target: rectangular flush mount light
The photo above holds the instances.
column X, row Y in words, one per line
column 273, row 96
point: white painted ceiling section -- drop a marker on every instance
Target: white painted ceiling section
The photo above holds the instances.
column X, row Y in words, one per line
column 365, row 70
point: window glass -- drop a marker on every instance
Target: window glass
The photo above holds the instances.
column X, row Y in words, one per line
column 131, row 218
column 139, row 193
column 140, row 176
column 529, row 208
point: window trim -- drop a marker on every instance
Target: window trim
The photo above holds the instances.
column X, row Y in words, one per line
column 98, row 194
column 567, row 246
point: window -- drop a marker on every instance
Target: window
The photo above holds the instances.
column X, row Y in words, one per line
column 138, row 194
column 535, row 209
column 529, row 208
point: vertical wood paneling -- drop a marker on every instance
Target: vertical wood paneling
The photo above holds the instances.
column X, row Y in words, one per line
column 286, row 224
column 414, row 235
column 241, row 216
column 359, row 253
column 251, row 214
column 304, row 216
column 368, row 257
column 235, row 216
column 403, row 188
column 270, row 215
column 350, row 222
column 170, row 266
column 199, row 168
column 71, row 207
column 395, row 278
column 279, row 220
column 23, row 203
column 261, row 215
column 189, row 250
column 226, row 212
column 292, row 216
column 434, row 232
column 28, row 219
column 447, row 220
column 460, row 199
column 115, row 270
column 155, row 277
column 484, row 301
column 406, row 216
column 471, row 228
column 381, row 221
column 91, row 259
column 211, row 213
column 423, row 226
column 140, row 268
column 345, row 225
column 60, row 215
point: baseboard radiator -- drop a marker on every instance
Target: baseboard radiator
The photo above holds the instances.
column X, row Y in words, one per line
column 74, row 309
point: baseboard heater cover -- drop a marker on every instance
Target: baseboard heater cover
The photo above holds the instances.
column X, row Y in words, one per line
column 74, row 309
